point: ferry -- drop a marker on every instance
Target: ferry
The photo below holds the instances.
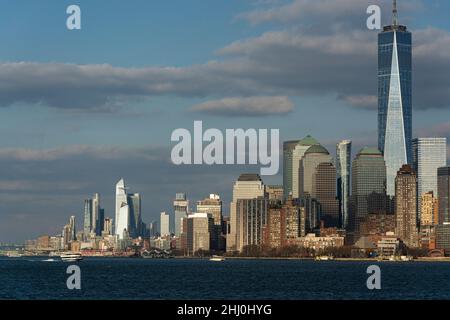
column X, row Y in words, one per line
column 217, row 258
column 71, row 257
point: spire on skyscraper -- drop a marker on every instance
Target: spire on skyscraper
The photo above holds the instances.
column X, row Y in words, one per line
column 395, row 14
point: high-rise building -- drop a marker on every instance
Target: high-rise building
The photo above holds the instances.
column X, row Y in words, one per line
column 128, row 212
column 108, row 226
column 252, row 217
column 181, row 209
column 248, row 186
column 93, row 216
column 406, row 206
column 429, row 209
column 324, row 190
column 343, row 169
column 136, row 224
column 122, row 219
column 293, row 152
column 395, row 98
column 199, row 232
column 275, row 193
column 444, row 195
column 164, row 224
column 429, row 154
column 312, row 157
column 73, row 231
column 368, row 187
column 285, row 225
column 213, row 206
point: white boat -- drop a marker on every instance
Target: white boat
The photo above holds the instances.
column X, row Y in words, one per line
column 324, row 258
column 217, row 258
column 71, row 257
column 49, row 260
column 13, row 255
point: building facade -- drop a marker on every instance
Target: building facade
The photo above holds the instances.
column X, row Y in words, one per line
column 181, row 209
column 395, row 98
column 343, row 170
column 444, row 195
column 293, row 152
column 406, row 206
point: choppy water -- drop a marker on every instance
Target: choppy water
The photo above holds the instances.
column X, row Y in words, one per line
column 32, row 278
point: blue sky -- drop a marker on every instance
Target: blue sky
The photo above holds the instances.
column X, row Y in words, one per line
column 88, row 107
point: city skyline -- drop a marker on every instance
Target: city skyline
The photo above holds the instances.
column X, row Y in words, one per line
column 57, row 156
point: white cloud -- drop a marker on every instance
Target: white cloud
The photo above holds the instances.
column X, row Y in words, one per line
column 251, row 106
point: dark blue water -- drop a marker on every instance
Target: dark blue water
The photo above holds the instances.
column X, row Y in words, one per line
column 31, row 278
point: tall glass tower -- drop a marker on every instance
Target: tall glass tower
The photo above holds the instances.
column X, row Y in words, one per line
column 394, row 98
column 343, row 163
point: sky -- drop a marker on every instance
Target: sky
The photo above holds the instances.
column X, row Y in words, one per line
column 80, row 109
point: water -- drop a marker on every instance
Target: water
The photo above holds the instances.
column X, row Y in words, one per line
column 32, row 278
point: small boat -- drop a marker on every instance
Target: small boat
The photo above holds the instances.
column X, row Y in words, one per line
column 49, row 260
column 217, row 258
column 324, row 258
column 14, row 255
column 71, row 257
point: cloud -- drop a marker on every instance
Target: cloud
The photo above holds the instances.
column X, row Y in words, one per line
column 306, row 11
column 246, row 107
column 369, row 102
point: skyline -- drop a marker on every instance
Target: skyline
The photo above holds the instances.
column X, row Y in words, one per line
column 46, row 163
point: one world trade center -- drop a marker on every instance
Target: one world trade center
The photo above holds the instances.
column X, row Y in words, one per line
column 394, row 98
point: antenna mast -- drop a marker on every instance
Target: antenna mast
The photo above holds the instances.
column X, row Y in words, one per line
column 395, row 14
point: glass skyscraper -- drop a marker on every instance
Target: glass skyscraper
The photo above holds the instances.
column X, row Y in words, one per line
column 395, row 98
column 429, row 154
column 343, row 163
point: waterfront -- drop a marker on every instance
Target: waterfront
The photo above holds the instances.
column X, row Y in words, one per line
column 106, row 278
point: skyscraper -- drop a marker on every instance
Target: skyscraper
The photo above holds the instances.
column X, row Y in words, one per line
column 252, row 217
column 199, row 232
column 324, row 190
column 73, row 231
column 293, row 152
column 164, row 224
column 343, row 166
column 429, row 154
column 181, row 209
column 395, row 98
column 312, row 157
column 406, row 206
column 213, row 206
column 368, row 185
column 248, row 186
column 128, row 212
column 93, row 216
column 444, row 195
column 428, row 208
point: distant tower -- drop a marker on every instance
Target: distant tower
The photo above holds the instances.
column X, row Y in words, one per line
column 181, row 209
column 343, row 168
column 395, row 98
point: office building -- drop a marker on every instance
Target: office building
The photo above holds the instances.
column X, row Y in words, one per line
column 406, row 206
column 199, row 232
column 312, row 157
column 248, row 186
column 395, row 98
column 293, row 152
column 181, row 209
column 444, row 195
column 324, row 190
column 164, row 224
column 368, row 187
column 128, row 212
column 252, row 218
column 429, row 154
column 343, row 170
